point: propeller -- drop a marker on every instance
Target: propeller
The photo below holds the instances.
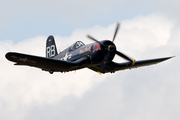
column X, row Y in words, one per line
column 111, row 48
column 117, row 28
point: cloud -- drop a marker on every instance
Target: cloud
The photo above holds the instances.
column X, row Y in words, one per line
column 150, row 92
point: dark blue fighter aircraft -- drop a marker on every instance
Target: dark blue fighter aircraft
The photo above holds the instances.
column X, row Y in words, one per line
column 96, row 56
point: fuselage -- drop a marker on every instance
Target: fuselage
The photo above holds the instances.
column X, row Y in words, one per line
column 94, row 51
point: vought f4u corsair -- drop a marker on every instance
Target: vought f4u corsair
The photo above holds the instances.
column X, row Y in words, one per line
column 96, row 56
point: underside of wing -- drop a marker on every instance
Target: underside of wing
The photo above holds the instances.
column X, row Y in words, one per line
column 113, row 66
column 42, row 62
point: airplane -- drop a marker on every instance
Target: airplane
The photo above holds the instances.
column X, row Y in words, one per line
column 97, row 56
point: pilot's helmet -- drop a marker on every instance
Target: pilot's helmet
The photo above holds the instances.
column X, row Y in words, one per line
column 77, row 45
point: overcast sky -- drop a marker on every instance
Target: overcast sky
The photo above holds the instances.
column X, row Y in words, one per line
column 149, row 29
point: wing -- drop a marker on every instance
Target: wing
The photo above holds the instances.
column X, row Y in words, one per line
column 43, row 63
column 113, row 66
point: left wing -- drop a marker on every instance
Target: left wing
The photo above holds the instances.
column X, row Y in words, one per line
column 43, row 63
column 113, row 66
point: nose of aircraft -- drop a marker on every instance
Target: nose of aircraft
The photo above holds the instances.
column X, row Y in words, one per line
column 109, row 49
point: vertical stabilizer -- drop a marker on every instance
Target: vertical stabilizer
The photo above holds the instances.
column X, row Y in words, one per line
column 51, row 49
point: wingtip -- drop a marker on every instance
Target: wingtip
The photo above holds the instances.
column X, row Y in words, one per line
column 166, row 58
column 8, row 55
column 11, row 55
column 170, row 57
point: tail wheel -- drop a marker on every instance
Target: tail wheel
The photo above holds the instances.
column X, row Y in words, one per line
column 51, row 71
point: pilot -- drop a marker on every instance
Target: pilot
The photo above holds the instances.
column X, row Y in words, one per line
column 77, row 45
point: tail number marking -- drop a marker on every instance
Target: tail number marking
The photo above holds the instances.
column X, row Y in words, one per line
column 50, row 51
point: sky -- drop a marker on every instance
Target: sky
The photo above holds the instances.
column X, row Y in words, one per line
column 149, row 29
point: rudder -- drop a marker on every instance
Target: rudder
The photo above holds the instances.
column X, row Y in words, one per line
column 51, row 49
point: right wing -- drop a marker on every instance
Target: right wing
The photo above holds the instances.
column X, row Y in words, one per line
column 113, row 66
column 43, row 63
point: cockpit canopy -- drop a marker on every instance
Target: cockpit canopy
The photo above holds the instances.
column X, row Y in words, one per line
column 76, row 45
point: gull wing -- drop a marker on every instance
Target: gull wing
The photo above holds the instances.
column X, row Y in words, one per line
column 43, row 63
column 113, row 66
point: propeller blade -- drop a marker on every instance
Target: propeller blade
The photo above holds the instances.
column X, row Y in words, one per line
column 117, row 28
column 124, row 56
column 94, row 39
column 103, row 65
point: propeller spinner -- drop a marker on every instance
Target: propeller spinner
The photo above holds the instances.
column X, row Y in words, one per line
column 111, row 48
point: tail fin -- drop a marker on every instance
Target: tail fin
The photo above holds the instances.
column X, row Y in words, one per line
column 51, row 49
